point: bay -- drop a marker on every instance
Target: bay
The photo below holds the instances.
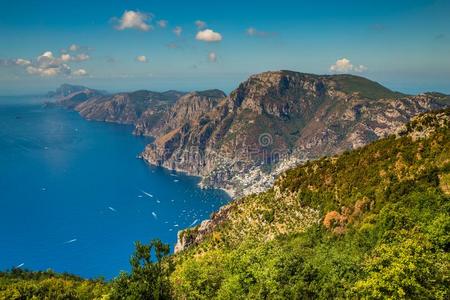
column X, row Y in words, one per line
column 74, row 197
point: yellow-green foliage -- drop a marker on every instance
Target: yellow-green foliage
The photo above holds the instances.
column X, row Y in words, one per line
column 377, row 227
column 18, row 284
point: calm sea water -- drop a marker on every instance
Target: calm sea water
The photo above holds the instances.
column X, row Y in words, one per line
column 74, row 197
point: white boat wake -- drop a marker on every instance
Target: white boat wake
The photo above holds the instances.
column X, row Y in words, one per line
column 193, row 223
column 70, row 241
column 148, row 194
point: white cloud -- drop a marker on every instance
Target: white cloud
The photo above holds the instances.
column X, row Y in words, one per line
column 46, row 57
column 162, row 23
column 49, row 70
column 141, row 58
column 74, row 47
column 200, row 24
column 344, row 65
column 212, row 56
column 208, row 35
column 47, row 65
column 80, row 72
column 177, row 30
column 66, row 57
column 22, row 62
column 134, row 20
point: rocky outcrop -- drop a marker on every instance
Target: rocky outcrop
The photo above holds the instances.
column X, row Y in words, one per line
column 193, row 236
column 190, row 106
column 275, row 120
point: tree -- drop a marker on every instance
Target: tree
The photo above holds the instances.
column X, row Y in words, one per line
column 148, row 279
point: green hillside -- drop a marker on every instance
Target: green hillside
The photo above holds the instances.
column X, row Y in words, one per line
column 365, row 87
column 372, row 223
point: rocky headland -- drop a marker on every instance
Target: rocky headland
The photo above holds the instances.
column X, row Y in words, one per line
column 269, row 123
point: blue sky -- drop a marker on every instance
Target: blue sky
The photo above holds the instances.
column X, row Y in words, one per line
column 123, row 45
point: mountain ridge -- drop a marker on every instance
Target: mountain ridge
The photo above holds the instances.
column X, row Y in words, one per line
column 272, row 121
column 295, row 116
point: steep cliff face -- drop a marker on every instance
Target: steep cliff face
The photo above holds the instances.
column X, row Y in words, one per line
column 189, row 107
column 275, row 120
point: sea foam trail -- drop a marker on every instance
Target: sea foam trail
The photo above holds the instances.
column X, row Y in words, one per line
column 148, row 194
column 70, row 241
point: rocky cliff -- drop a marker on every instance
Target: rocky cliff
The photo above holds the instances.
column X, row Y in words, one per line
column 275, row 120
column 188, row 107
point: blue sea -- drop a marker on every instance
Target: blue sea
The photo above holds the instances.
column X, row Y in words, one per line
column 74, row 197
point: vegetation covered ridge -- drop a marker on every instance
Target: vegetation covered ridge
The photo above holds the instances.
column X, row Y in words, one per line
column 370, row 223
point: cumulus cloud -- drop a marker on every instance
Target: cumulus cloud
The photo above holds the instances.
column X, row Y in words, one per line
column 162, row 23
column 66, row 57
column 208, row 35
column 212, row 56
column 177, row 30
column 134, row 20
column 48, row 70
column 80, row 72
column 46, row 57
column 49, row 65
column 141, row 58
column 344, row 65
column 200, row 24
column 22, row 62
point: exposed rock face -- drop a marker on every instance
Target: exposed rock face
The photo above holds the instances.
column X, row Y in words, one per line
column 190, row 106
column 275, row 120
column 193, row 236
